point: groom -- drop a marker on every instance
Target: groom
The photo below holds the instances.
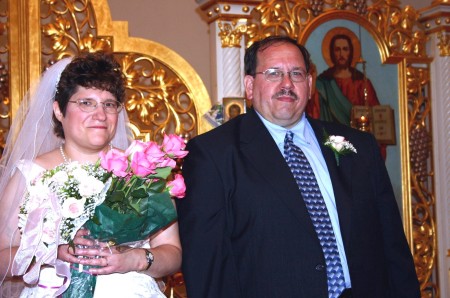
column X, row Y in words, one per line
column 251, row 228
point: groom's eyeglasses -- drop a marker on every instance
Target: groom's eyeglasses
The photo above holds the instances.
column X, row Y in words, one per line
column 90, row 105
column 277, row 75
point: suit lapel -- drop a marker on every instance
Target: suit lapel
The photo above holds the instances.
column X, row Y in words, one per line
column 260, row 149
column 341, row 179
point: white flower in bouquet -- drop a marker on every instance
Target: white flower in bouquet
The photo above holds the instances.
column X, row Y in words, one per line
column 90, row 186
column 80, row 174
column 73, row 207
column 60, row 178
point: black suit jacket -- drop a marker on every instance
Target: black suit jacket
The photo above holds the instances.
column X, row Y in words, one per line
column 245, row 230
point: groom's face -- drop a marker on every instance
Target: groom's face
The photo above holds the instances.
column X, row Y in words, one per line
column 283, row 101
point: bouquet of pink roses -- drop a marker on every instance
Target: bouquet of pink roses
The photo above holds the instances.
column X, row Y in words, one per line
column 138, row 202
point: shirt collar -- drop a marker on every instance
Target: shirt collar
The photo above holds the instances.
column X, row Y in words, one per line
column 301, row 133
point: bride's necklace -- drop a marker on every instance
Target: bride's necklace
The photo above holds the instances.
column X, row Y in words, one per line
column 67, row 160
column 63, row 154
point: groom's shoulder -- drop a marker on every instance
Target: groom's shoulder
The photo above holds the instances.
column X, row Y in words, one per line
column 218, row 137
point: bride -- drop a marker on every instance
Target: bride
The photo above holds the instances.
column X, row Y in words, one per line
column 74, row 113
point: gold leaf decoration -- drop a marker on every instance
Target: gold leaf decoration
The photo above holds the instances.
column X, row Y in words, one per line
column 422, row 196
column 158, row 101
column 68, row 27
column 290, row 17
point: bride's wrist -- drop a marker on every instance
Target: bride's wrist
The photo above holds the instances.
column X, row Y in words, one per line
column 147, row 259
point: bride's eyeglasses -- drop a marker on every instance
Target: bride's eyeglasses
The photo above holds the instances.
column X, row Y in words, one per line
column 90, row 105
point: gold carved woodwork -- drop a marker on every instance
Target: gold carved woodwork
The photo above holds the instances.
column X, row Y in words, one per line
column 68, row 28
column 157, row 100
column 398, row 27
column 421, row 176
column 230, row 34
column 444, row 43
column 436, row 20
column 227, row 10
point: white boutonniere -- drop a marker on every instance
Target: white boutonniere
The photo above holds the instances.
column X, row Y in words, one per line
column 339, row 145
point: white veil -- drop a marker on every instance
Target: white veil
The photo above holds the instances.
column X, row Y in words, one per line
column 31, row 134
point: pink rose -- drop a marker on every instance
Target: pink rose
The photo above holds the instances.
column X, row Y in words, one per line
column 141, row 166
column 177, row 188
column 136, row 146
column 154, row 153
column 174, row 146
column 114, row 161
column 167, row 162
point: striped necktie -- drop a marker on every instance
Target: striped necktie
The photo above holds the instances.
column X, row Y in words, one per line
column 307, row 183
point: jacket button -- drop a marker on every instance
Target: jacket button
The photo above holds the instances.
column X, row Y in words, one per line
column 320, row 267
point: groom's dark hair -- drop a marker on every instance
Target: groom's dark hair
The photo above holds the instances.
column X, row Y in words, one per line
column 251, row 54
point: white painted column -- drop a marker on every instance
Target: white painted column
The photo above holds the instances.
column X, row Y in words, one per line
column 228, row 26
column 232, row 73
column 435, row 19
column 440, row 90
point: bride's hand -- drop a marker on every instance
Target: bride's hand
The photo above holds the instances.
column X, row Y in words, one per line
column 71, row 253
column 118, row 260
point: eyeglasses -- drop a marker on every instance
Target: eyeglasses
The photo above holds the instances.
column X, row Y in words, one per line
column 90, row 105
column 277, row 75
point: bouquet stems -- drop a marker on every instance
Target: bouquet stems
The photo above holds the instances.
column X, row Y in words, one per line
column 82, row 282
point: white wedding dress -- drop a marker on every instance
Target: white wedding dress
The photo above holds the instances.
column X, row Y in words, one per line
column 131, row 284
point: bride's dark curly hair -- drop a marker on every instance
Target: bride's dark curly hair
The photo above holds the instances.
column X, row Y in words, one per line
column 97, row 70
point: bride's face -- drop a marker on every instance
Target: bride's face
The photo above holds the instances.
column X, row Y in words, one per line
column 90, row 130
